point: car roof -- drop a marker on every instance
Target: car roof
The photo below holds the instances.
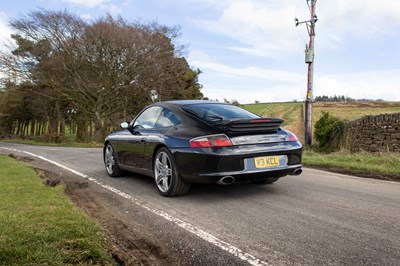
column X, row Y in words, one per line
column 190, row 102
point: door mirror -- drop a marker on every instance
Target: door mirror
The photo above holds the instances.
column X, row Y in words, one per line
column 138, row 127
column 124, row 125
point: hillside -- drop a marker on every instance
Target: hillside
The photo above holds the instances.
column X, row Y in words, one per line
column 292, row 112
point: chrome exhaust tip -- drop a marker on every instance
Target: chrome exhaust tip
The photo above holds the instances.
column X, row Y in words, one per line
column 296, row 171
column 226, row 180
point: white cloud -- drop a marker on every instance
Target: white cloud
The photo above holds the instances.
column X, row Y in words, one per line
column 266, row 28
column 112, row 9
column 199, row 56
column 342, row 21
column 361, row 17
column 262, row 27
column 252, row 72
column 105, row 5
column 87, row 3
column 5, row 30
column 206, row 63
column 86, row 16
column 198, row 4
column 366, row 85
column 246, row 84
column 246, row 94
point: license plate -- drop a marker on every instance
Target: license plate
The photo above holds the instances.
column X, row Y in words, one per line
column 267, row 161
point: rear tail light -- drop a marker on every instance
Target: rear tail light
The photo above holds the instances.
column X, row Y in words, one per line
column 211, row 141
column 292, row 136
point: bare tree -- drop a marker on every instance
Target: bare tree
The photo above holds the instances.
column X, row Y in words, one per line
column 101, row 72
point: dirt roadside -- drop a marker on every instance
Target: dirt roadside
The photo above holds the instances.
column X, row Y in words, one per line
column 129, row 240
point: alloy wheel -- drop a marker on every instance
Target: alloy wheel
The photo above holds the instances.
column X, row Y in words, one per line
column 163, row 171
column 109, row 159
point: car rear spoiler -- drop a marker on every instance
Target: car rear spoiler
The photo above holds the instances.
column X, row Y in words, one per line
column 250, row 126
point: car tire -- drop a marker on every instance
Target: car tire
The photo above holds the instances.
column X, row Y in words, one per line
column 166, row 176
column 111, row 162
column 266, row 181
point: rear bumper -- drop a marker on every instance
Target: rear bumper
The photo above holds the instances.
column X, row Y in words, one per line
column 242, row 176
column 210, row 165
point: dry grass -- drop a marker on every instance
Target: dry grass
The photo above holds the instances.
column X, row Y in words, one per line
column 353, row 111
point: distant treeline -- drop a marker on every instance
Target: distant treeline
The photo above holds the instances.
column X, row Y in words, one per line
column 342, row 98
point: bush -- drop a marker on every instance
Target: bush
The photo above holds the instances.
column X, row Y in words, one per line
column 330, row 132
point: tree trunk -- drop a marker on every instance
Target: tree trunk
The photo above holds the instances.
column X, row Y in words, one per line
column 81, row 131
column 52, row 129
column 62, row 127
column 99, row 134
column 32, row 130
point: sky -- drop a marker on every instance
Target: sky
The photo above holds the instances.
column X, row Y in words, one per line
column 250, row 50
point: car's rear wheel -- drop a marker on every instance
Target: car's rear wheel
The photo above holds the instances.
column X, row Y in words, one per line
column 166, row 176
column 266, row 181
column 110, row 162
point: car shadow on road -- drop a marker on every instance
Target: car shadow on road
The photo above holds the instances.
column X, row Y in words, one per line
column 232, row 191
column 204, row 191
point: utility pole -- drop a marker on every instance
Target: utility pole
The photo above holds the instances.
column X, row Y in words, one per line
column 309, row 59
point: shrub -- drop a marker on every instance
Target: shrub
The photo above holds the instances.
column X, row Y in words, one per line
column 330, row 132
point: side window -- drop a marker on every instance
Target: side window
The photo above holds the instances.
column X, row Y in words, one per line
column 167, row 119
column 149, row 117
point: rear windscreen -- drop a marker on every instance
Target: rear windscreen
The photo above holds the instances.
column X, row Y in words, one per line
column 218, row 112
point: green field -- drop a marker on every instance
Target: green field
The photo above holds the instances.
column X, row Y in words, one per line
column 39, row 225
column 292, row 112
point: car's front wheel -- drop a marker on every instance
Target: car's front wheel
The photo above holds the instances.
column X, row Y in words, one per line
column 110, row 162
column 166, row 176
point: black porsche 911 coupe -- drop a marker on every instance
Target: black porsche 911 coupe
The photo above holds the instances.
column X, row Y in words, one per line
column 182, row 142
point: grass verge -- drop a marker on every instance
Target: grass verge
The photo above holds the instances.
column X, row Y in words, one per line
column 383, row 166
column 39, row 224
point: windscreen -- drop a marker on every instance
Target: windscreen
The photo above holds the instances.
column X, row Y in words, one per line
column 218, row 112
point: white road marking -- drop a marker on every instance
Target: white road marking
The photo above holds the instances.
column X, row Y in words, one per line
column 252, row 260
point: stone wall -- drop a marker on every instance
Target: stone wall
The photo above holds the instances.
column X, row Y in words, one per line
column 380, row 133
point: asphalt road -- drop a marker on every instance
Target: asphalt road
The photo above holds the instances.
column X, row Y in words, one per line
column 317, row 218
